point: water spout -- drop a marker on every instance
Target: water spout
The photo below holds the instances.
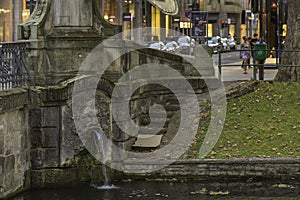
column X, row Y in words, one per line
column 103, row 152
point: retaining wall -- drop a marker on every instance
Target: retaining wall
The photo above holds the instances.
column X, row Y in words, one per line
column 236, row 168
column 14, row 142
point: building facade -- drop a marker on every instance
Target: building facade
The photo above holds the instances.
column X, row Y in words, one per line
column 136, row 14
column 147, row 13
column 225, row 17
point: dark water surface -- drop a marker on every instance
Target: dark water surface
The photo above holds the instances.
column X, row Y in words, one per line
column 170, row 190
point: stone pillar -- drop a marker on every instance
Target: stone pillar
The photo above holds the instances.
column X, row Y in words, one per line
column 72, row 13
column 17, row 18
column 60, row 34
column 138, row 19
column 120, row 10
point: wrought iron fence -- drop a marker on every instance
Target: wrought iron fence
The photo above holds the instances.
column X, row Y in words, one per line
column 13, row 71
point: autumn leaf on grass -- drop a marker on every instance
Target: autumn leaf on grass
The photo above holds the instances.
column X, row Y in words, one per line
column 215, row 193
column 202, row 191
column 281, row 185
column 274, row 149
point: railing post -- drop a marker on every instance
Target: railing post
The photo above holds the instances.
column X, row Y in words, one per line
column 254, row 69
column 261, row 70
column 220, row 64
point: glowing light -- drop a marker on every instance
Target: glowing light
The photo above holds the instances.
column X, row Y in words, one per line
column 4, row 10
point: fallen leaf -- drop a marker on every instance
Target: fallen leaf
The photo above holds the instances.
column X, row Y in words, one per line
column 202, row 191
column 282, row 185
column 213, row 193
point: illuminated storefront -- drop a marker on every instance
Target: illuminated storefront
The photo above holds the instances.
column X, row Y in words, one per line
column 144, row 13
column 5, row 20
column 12, row 13
column 137, row 14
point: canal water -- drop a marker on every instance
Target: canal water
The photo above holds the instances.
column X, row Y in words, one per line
column 170, row 190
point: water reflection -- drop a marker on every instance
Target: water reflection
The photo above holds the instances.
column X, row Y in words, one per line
column 170, row 190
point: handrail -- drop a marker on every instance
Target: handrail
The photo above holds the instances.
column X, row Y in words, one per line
column 13, row 72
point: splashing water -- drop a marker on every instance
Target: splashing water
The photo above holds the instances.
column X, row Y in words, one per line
column 99, row 144
column 104, row 187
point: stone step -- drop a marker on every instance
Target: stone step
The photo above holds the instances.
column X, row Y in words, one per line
column 149, row 130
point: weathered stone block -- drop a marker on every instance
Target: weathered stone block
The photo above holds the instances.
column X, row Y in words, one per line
column 9, row 163
column 36, row 137
column 2, row 159
column 1, row 144
column 9, row 181
column 14, row 121
column 22, row 159
column 50, row 137
column 50, row 116
column 1, row 178
column 25, row 139
column 51, row 158
column 35, row 118
column 36, row 158
column 41, row 158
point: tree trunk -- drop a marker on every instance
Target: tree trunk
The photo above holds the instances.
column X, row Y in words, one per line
column 289, row 74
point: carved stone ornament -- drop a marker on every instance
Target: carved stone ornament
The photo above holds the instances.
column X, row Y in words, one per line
column 169, row 7
column 35, row 19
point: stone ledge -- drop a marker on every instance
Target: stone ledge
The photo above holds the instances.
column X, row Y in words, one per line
column 240, row 89
column 13, row 99
column 267, row 168
column 252, row 160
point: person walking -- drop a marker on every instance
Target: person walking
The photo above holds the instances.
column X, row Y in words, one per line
column 245, row 54
column 251, row 51
column 252, row 42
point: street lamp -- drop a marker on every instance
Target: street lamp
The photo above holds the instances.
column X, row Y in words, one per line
column 274, row 12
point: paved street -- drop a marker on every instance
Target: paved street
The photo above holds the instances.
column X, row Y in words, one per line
column 235, row 73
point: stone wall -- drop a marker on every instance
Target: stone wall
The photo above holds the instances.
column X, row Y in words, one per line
column 14, row 142
column 58, row 157
column 40, row 136
column 224, row 169
column 57, row 150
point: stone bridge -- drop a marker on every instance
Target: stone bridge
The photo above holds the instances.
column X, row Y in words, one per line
column 39, row 142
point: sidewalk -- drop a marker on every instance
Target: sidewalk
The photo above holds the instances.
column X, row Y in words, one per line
column 235, row 73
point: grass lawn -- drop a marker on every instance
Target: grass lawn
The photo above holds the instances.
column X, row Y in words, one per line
column 264, row 123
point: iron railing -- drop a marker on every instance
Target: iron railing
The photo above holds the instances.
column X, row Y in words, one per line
column 275, row 52
column 13, row 71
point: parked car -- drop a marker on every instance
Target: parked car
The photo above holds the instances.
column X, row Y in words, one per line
column 173, row 47
column 225, row 44
column 232, row 44
column 213, row 45
column 158, row 46
column 187, row 44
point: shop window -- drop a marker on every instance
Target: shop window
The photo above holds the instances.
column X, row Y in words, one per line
column 25, row 12
column 5, row 20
